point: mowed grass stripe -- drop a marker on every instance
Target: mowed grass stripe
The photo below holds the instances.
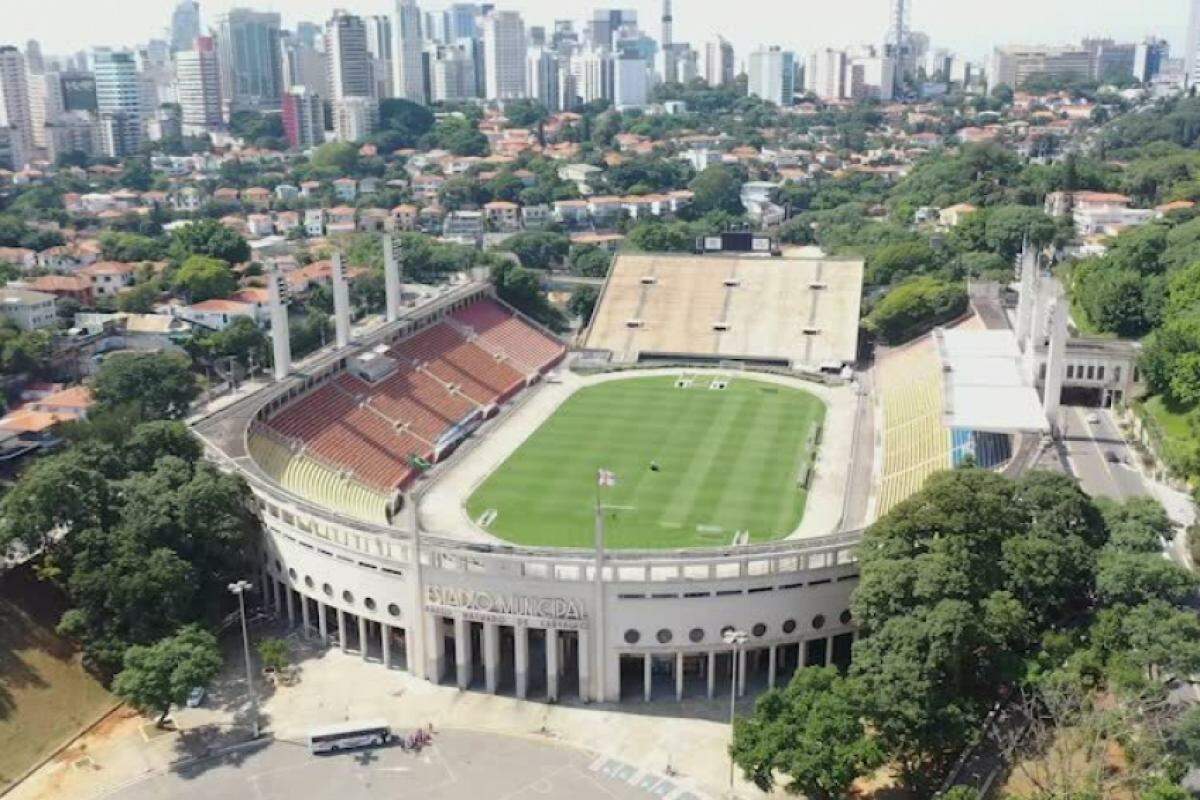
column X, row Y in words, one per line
column 728, row 458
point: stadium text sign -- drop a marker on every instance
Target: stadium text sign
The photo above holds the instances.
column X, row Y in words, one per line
column 480, row 606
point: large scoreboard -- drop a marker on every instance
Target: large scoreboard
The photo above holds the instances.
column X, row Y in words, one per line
column 737, row 242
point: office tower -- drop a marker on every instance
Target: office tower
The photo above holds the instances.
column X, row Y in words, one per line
column 564, row 40
column 78, row 91
column 687, row 64
column 380, row 43
column 34, row 61
column 248, row 52
column 355, row 118
column 167, row 122
column 461, row 21
column 303, row 118
column 452, row 73
column 670, row 58
column 605, row 24
column 1110, row 60
column 198, row 78
column 72, row 132
column 185, row 25
column 898, row 44
column 869, row 75
column 631, row 82
column 592, row 75
column 719, row 68
column 408, row 64
column 119, row 101
column 302, row 64
column 825, row 74
column 1191, row 55
column 347, row 59
column 772, row 75
column 543, row 77
column 1149, row 57
column 504, row 54
column 537, row 35
column 15, row 110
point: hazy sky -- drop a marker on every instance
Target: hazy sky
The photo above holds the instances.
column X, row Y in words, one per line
column 969, row 26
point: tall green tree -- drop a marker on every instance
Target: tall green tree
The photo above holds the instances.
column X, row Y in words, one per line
column 160, row 675
column 158, row 385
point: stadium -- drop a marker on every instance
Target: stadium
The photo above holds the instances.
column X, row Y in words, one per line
column 463, row 495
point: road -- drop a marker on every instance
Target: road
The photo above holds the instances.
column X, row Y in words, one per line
column 1087, row 446
column 460, row 765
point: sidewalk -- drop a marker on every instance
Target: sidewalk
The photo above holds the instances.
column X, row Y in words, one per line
column 335, row 686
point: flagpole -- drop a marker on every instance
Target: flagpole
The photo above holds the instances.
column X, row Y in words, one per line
column 599, row 587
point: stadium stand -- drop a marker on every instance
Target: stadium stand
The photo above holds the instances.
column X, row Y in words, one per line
column 915, row 443
column 790, row 312
column 350, row 443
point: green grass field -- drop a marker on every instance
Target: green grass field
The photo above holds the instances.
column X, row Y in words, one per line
column 729, row 461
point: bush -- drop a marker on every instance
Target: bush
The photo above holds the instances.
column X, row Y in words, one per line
column 914, row 308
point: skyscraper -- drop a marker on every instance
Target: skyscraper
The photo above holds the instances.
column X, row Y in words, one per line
column 185, row 25
column 504, row 52
column 409, row 80
column 33, row 57
column 15, row 111
column 380, row 45
column 249, row 54
column 543, row 78
column 668, row 44
column 1191, row 74
column 302, row 64
column 772, row 75
column 718, row 62
column 607, row 22
column 303, row 118
column 451, row 73
column 198, row 79
column 119, row 100
column 348, row 61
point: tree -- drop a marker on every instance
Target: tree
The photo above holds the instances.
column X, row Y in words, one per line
column 56, row 494
column 915, row 307
column 339, row 157
column 538, row 249
column 1134, row 578
column 205, row 278
column 525, row 113
column 274, row 654
column 717, row 188
column 159, row 385
column 590, row 261
column 139, row 298
column 521, row 288
column 411, row 120
column 208, row 238
column 129, row 247
column 900, row 260
column 812, row 732
column 242, row 340
column 583, row 303
column 160, row 675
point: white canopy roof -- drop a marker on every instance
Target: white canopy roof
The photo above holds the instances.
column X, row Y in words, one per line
column 986, row 383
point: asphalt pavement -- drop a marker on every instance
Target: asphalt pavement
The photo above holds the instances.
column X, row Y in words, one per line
column 1099, row 456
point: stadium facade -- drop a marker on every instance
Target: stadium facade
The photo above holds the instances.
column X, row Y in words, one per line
column 343, row 555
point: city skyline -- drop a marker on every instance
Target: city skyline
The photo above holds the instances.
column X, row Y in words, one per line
column 65, row 26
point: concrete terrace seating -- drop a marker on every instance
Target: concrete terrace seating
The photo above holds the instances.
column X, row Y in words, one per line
column 453, row 360
column 915, row 442
column 316, row 482
column 352, row 433
column 503, row 332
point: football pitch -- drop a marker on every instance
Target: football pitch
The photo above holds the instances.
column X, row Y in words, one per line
column 694, row 466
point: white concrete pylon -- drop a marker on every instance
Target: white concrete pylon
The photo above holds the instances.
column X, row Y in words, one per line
column 391, row 278
column 281, row 348
column 1056, row 363
column 341, row 301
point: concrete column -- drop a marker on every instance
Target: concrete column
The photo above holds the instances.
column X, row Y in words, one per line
column 264, row 579
column 679, row 676
column 462, row 651
column 521, row 657
column 436, row 648
column 362, row 636
column 712, row 674
column 647, row 676
column 552, row 664
column 491, row 656
column 583, row 657
column 341, row 617
column 277, row 587
column 291, row 606
column 323, row 622
column 281, row 350
column 771, row 667
column 304, row 616
column 385, row 644
column 828, row 650
column 741, row 667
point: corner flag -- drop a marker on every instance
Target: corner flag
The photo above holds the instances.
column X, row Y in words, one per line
column 606, row 477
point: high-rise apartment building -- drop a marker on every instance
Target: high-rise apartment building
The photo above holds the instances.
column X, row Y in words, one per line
column 631, row 82
column 606, row 23
column 772, row 75
column 15, row 110
column 34, row 61
column 504, row 53
column 591, row 76
column 1149, row 57
column 1014, row 64
column 825, row 74
column 185, row 25
column 198, row 81
column 355, row 118
column 381, row 42
column 302, row 64
column 407, row 54
column 719, row 69
column 303, row 118
column 350, row 72
column 452, row 73
column 543, row 77
column 249, row 53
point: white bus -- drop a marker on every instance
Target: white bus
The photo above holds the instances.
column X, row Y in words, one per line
column 348, row 735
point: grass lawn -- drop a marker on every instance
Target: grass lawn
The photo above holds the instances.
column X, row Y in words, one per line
column 729, row 460
column 45, row 695
column 1172, row 421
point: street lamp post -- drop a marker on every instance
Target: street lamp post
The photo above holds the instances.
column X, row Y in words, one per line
column 735, row 639
column 240, row 588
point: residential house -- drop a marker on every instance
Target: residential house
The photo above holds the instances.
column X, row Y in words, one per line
column 503, row 215
column 259, row 225
column 215, row 315
column 64, row 287
column 286, row 192
column 404, row 217
column 342, row 219
column 345, row 189
column 108, row 278
column 314, row 223
column 571, row 212
column 465, row 227
column 257, row 197
column 27, row 309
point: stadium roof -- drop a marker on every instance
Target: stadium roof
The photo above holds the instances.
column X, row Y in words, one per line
column 987, row 386
column 800, row 312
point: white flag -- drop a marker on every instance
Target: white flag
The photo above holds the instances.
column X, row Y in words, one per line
column 606, row 478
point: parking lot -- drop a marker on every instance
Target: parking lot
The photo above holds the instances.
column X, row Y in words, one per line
column 460, row 765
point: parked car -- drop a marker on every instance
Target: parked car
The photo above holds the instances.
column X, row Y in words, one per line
column 196, row 696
